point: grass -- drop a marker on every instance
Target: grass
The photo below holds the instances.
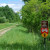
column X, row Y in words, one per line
column 4, row 25
column 19, row 39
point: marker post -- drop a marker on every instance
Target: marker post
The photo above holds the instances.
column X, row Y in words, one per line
column 44, row 43
column 44, row 31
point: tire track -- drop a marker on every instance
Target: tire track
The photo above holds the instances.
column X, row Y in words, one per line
column 3, row 31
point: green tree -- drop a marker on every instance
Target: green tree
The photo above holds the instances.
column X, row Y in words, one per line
column 26, row 0
column 9, row 14
column 3, row 19
column 17, row 16
column 33, row 13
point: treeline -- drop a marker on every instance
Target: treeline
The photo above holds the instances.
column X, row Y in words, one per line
column 33, row 12
column 8, row 15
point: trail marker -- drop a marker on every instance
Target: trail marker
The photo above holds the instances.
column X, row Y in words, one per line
column 44, row 29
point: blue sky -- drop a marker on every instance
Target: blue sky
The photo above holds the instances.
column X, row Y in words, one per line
column 16, row 5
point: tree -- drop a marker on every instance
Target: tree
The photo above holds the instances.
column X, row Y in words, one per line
column 44, row 0
column 33, row 13
column 17, row 16
column 9, row 14
column 3, row 19
column 26, row 0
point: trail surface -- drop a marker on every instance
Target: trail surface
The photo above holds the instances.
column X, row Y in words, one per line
column 3, row 31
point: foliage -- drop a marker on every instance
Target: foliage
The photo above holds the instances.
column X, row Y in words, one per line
column 17, row 16
column 33, row 13
column 38, row 0
column 9, row 14
column 2, row 19
column 26, row 0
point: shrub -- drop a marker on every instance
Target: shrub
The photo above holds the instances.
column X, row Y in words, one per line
column 33, row 13
column 3, row 19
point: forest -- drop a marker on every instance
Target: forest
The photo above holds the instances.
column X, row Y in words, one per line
column 33, row 12
column 8, row 15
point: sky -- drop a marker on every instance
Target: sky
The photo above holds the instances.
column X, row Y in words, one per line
column 16, row 5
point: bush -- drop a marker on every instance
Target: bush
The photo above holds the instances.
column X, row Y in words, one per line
column 33, row 13
column 3, row 19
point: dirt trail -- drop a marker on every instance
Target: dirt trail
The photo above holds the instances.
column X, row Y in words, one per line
column 3, row 31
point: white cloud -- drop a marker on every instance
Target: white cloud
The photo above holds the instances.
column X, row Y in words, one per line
column 2, row 4
column 20, row 0
column 15, row 7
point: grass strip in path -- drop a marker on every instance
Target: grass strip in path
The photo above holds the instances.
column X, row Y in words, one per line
column 5, row 25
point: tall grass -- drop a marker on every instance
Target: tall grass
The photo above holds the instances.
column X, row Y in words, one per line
column 19, row 39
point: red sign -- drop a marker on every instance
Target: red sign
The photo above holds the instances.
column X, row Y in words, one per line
column 44, row 28
column 44, row 24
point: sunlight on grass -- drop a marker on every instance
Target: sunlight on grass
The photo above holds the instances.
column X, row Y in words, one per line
column 5, row 25
column 18, row 38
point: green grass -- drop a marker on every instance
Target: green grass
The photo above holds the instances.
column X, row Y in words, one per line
column 4, row 25
column 19, row 39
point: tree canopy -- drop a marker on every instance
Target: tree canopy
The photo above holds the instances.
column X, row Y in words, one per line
column 26, row 0
column 33, row 13
column 9, row 14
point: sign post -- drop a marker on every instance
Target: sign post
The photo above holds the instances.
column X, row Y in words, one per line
column 44, row 31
